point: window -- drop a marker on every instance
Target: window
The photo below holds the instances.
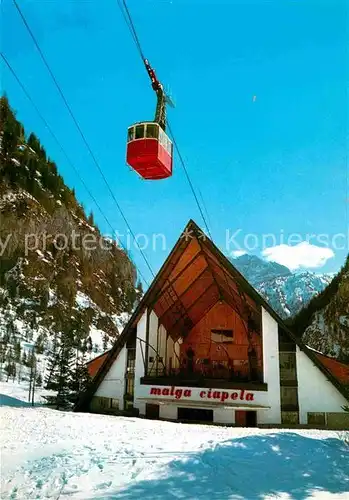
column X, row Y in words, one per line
column 165, row 141
column 114, row 404
column 288, row 366
column 131, row 360
column 131, row 134
column 222, row 335
column 128, row 405
column 139, row 131
column 195, row 415
column 289, row 417
column 316, row 418
column 131, row 364
column 99, row 403
column 168, row 145
column 130, row 386
column 152, row 410
column 289, row 396
column 338, row 420
column 161, row 137
column 285, row 343
column 152, row 131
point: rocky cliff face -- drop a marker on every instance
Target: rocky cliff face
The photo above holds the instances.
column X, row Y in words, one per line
column 57, row 272
column 324, row 323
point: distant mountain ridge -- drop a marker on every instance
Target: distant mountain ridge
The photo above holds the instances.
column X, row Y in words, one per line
column 286, row 292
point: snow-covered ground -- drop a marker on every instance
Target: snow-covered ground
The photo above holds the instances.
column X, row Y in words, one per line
column 51, row 454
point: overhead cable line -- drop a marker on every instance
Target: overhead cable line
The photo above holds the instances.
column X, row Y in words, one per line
column 189, row 180
column 128, row 19
column 82, row 134
column 65, row 154
column 127, row 16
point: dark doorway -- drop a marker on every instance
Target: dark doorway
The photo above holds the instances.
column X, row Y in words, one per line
column 245, row 418
column 152, row 411
column 195, row 415
column 240, row 418
column 251, row 419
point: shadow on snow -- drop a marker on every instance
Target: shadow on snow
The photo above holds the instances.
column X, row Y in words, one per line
column 14, row 402
column 250, row 468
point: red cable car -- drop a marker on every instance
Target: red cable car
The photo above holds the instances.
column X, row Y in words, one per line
column 149, row 150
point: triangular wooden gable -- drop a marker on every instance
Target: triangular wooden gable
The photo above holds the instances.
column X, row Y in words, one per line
column 193, row 278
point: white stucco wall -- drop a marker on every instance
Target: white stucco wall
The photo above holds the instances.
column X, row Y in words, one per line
column 113, row 384
column 223, row 416
column 271, row 370
column 315, row 392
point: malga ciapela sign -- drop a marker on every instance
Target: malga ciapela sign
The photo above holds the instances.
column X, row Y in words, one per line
column 201, row 394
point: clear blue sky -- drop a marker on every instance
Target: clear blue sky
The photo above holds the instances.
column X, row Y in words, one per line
column 276, row 164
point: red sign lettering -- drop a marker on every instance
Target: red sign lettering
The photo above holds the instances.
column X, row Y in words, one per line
column 222, row 396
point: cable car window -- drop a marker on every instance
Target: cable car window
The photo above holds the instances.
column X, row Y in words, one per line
column 139, row 131
column 152, row 131
column 167, row 144
column 131, row 134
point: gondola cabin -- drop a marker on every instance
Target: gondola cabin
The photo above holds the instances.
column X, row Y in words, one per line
column 149, row 151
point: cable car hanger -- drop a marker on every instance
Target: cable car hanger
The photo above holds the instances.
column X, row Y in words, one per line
column 162, row 97
column 149, row 149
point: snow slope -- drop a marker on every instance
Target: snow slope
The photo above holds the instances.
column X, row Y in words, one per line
column 51, row 454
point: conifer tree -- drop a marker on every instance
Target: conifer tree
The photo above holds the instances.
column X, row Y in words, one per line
column 105, row 342
column 3, row 349
column 39, row 380
column 10, row 330
column 52, row 360
column 90, row 219
column 61, row 376
column 81, row 377
column 32, row 365
column 10, row 370
column 39, row 344
column 24, row 359
column 10, row 133
column 17, row 352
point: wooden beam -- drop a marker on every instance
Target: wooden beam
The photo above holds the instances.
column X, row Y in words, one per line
column 171, row 262
column 195, row 301
column 241, row 299
column 173, row 281
column 183, row 293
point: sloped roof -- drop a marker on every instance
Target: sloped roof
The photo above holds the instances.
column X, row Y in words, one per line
column 338, row 369
column 187, row 285
column 94, row 365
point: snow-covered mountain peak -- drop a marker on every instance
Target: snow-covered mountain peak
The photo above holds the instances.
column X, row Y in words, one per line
column 286, row 291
